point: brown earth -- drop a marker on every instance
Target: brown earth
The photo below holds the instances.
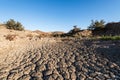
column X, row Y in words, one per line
column 26, row 58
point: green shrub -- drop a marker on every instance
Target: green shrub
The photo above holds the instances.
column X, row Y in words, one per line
column 110, row 38
column 74, row 30
column 11, row 24
column 96, row 25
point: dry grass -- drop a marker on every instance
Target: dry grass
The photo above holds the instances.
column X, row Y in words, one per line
column 10, row 37
column 30, row 36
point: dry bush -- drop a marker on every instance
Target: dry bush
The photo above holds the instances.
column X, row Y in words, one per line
column 11, row 24
column 67, row 39
column 57, row 34
column 74, row 30
column 43, row 35
column 30, row 36
column 10, row 37
column 38, row 36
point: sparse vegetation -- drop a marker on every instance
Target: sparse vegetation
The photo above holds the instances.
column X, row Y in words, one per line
column 105, row 38
column 11, row 24
column 10, row 37
column 109, row 31
column 30, row 36
column 74, row 30
column 110, row 38
column 57, row 34
column 72, row 33
column 77, row 33
column 38, row 36
column 43, row 35
column 57, row 55
column 96, row 25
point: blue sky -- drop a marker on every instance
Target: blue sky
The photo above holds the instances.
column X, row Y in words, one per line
column 59, row 15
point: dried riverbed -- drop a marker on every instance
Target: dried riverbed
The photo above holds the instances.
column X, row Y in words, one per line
column 66, row 60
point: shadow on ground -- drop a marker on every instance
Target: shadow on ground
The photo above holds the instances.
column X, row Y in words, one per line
column 109, row 50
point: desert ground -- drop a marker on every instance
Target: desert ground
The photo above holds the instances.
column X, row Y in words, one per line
column 26, row 58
